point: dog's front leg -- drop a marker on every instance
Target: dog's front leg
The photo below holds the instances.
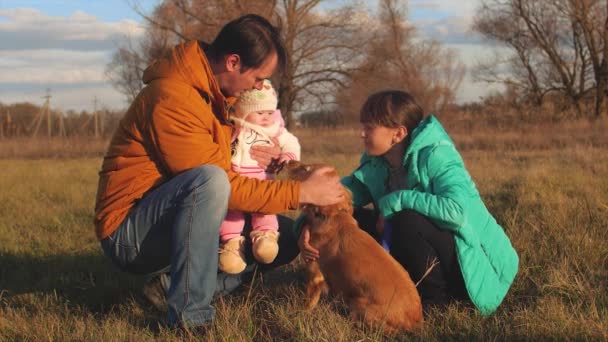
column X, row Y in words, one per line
column 314, row 286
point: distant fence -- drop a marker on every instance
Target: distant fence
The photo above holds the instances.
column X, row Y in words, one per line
column 316, row 119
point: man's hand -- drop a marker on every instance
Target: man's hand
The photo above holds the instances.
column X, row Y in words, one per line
column 264, row 155
column 309, row 253
column 321, row 188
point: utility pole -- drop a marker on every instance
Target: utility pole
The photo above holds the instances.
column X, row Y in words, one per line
column 47, row 104
column 61, row 126
column 10, row 130
column 95, row 117
column 45, row 110
column 2, row 123
column 102, row 114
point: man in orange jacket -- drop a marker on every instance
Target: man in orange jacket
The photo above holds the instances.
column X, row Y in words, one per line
column 166, row 184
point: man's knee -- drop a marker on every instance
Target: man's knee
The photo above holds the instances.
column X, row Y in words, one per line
column 211, row 178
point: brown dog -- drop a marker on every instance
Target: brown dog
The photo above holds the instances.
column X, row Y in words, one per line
column 375, row 287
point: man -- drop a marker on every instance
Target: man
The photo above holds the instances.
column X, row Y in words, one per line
column 166, row 184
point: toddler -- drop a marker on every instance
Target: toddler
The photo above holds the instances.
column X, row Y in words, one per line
column 257, row 120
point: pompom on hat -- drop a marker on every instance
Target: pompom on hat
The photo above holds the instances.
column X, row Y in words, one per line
column 256, row 100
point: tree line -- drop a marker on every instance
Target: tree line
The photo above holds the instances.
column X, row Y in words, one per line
column 552, row 61
column 553, row 52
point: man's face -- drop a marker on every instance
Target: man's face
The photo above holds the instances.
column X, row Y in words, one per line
column 237, row 81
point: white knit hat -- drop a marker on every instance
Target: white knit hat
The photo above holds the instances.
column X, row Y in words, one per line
column 256, row 100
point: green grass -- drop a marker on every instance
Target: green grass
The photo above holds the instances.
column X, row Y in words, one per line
column 55, row 284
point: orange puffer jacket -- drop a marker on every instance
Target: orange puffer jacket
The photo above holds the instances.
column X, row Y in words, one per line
column 177, row 122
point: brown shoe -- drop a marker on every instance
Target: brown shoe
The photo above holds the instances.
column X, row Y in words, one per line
column 155, row 293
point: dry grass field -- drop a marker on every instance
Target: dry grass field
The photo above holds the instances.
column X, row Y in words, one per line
column 547, row 185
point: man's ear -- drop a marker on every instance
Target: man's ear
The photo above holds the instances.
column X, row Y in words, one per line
column 233, row 62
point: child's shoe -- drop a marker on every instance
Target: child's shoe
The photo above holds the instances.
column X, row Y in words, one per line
column 232, row 256
column 265, row 246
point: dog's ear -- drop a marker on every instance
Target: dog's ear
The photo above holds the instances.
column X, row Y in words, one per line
column 345, row 206
column 292, row 164
column 311, row 210
column 297, row 171
column 328, row 173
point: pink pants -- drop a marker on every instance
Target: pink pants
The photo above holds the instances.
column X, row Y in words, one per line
column 235, row 220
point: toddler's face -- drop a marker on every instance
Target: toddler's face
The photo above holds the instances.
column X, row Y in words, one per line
column 261, row 118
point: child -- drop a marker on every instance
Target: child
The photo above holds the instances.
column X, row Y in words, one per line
column 421, row 190
column 257, row 120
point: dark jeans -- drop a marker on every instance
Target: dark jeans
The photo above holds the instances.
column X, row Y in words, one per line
column 415, row 243
column 174, row 232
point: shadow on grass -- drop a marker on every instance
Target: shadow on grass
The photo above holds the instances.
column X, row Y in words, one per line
column 90, row 282
column 85, row 280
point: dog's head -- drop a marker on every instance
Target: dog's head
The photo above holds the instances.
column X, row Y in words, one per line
column 300, row 172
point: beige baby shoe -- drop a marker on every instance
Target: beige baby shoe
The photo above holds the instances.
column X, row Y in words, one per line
column 232, row 256
column 265, row 246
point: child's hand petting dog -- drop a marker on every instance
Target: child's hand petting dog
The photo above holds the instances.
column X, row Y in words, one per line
column 309, row 253
column 375, row 287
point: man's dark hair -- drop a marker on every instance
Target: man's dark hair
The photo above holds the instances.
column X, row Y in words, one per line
column 251, row 37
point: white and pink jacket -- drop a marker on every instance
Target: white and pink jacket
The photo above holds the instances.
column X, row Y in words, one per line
column 248, row 134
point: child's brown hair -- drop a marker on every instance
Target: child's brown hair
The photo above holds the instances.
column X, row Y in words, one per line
column 391, row 108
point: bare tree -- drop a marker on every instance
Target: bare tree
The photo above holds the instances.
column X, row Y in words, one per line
column 172, row 22
column 322, row 51
column 321, row 47
column 397, row 58
column 558, row 46
column 125, row 70
column 591, row 19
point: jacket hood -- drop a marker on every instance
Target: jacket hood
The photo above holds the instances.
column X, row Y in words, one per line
column 186, row 63
column 429, row 132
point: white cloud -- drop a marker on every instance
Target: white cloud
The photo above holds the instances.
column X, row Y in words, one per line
column 461, row 8
column 447, row 21
column 450, row 22
column 67, row 54
column 450, row 30
column 27, row 28
column 52, row 66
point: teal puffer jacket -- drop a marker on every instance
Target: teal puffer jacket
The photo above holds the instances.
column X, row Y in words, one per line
column 439, row 187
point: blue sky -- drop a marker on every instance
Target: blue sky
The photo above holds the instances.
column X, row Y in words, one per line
column 107, row 10
column 65, row 45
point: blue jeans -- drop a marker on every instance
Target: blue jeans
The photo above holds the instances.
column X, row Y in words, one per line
column 174, row 229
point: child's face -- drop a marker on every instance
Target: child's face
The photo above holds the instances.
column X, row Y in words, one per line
column 377, row 139
column 261, row 118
